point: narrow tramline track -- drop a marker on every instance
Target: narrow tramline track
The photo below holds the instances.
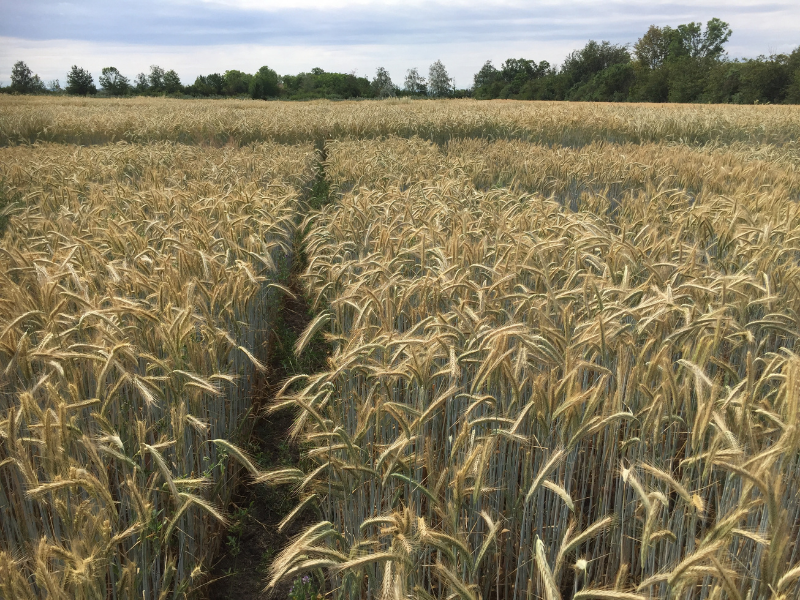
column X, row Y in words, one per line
column 250, row 544
column 255, row 536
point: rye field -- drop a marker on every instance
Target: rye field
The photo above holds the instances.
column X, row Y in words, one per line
column 563, row 346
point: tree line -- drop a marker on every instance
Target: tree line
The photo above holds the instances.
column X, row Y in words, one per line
column 263, row 84
column 687, row 63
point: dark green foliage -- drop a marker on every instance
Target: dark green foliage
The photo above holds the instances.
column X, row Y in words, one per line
column 690, row 40
column 264, row 84
column 21, row 76
column 487, row 82
column 237, row 83
column 216, row 82
column 516, row 72
column 774, row 79
column 581, row 66
column 687, row 79
column 158, row 82
column 650, row 85
column 512, row 80
column 208, row 85
column 461, row 93
column 686, row 63
column 155, row 81
column 113, row 82
column 141, row 84
column 172, row 83
column 549, row 87
column 609, row 85
column 321, row 84
column 793, row 89
column 200, row 87
column 676, row 65
column 23, row 81
column 80, row 82
column 763, row 80
column 652, row 48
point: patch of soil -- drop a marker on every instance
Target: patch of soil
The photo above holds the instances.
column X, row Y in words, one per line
column 253, row 541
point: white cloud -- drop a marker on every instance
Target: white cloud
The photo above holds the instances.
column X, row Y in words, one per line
column 339, row 4
column 343, row 35
column 52, row 59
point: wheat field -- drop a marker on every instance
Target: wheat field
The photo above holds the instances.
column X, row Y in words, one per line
column 563, row 346
column 136, row 291
column 237, row 122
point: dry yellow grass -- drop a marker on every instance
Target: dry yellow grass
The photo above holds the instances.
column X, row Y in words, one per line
column 134, row 294
column 588, row 381
column 89, row 121
column 565, row 345
column 599, row 168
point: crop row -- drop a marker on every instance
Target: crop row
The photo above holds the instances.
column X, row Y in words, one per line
column 145, row 120
column 591, row 395
column 137, row 287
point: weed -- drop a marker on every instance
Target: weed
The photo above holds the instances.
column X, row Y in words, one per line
column 304, row 588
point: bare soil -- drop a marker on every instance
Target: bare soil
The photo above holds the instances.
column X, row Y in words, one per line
column 252, row 542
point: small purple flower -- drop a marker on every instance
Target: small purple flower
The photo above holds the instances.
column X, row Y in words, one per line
column 306, row 578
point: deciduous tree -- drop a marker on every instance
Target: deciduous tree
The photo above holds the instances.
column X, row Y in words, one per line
column 80, row 82
column 21, row 76
column 141, row 83
column 440, row 85
column 581, row 65
column 237, row 83
column 652, row 48
column 264, row 84
column 155, row 80
column 23, row 81
column 382, row 85
column 690, row 39
column 414, row 82
column 114, row 82
column 487, row 75
column 172, row 83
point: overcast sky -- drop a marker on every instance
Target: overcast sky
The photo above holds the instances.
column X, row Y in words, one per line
column 205, row 36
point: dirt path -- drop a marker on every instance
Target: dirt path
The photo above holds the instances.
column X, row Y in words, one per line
column 252, row 541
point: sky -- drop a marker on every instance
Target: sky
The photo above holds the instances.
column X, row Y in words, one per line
column 290, row 36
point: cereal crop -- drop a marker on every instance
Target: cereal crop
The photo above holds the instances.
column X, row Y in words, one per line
column 564, row 346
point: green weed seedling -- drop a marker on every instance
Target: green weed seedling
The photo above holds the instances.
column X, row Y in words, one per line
column 304, row 588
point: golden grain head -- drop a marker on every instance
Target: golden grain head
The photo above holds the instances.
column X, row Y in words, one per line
column 561, row 334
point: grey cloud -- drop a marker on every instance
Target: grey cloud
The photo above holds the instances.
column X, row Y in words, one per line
column 150, row 22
